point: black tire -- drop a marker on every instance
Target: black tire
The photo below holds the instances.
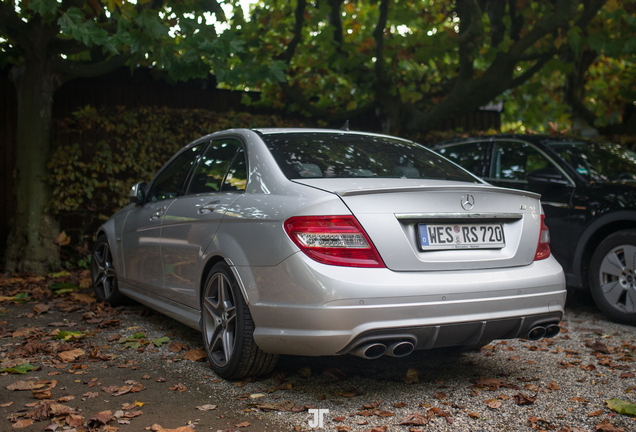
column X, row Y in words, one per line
column 613, row 277
column 228, row 329
column 103, row 274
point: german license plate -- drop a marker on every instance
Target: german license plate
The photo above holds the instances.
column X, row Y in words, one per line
column 461, row 236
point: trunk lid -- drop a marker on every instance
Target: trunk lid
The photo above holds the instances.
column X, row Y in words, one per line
column 392, row 211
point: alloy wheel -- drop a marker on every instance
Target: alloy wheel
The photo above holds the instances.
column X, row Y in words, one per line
column 618, row 279
column 104, row 276
column 219, row 314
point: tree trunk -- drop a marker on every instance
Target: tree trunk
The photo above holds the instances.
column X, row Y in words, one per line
column 30, row 246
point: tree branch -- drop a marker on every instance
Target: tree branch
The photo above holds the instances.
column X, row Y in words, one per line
column 378, row 35
column 67, row 46
column 297, row 96
column 69, row 69
column 299, row 13
column 470, row 28
column 565, row 11
column 335, row 21
column 516, row 21
column 496, row 10
column 531, row 71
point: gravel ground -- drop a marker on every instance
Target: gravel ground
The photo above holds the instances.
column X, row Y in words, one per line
column 556, row 384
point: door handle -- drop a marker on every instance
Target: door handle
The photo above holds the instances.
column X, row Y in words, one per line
column 208, row 207
column 158, row 214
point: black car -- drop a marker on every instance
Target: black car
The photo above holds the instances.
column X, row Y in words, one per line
column 588, row 192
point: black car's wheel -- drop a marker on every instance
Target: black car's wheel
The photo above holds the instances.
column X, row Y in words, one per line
column 103, row 273
column 613, row 276
column 228, row 329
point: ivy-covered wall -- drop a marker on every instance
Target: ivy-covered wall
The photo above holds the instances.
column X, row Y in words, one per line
column 101, row 153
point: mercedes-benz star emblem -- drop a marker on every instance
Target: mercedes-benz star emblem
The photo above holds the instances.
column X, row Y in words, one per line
column 468, row 202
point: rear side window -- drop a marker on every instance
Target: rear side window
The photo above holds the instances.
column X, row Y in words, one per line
column 213, row 167
column 335, row 155
column 470, row 156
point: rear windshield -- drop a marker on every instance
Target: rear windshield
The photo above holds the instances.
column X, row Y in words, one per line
column 335, row 155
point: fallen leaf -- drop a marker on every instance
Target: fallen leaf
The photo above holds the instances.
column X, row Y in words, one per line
column 195, row 355
column 441, row 395
column 177, row 347
column 335, row 373
column 22, row 423
column 62, row 239
column 69, row 356
column 474, row 415
column 621, row 406
column 488, row 383
column 411, row 376
column 179, row 387
column 27, row 385
column 7, row 404
column 595, row 413
column 521, row 399
column 400, row 405
column 276, row 406
column 44, row 393
column 102, row 417
column 493, row 403
column 606, row 426
column 554, row 386
column 206, row 407
column 416, row 419
column 243, row 425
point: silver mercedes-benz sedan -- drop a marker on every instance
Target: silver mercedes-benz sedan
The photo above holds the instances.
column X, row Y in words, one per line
column 322, row 242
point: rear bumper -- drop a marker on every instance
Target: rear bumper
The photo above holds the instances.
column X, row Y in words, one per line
column 305, row 308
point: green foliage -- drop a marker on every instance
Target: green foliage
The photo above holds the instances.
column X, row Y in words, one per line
column 69, row 336
column 64, row 287
column 100, row 154
column 621, row 406
column 21, row 369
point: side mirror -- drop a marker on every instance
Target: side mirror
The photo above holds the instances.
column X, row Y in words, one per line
column 549, row 175
column 138, row 193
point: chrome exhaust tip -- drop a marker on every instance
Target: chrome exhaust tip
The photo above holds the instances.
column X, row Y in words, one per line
column 552, row 330
column 400, row 349
column 370, row 351
column 536, row 333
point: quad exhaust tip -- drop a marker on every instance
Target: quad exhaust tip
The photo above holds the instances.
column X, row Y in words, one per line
column 370, row 351
column 400, row 349
column 538, row 332
column 376, row 350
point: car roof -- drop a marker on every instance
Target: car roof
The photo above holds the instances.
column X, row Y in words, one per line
column 532, row 138
column 270, row 131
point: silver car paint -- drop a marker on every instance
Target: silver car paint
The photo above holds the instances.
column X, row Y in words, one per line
column 302, row 307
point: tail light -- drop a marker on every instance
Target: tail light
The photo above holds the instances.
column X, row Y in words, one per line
column 333, row 240
column 543, row 248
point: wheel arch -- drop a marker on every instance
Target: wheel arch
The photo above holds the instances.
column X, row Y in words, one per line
column 594, row 235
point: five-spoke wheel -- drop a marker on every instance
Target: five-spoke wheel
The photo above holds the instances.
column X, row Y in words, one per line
column 613, row 277
column 219, row 315
column 103, row 273
column 228, row 328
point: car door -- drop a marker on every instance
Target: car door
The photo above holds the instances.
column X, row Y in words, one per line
column 192, row 220
column 141, row 235
column 522, row 165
